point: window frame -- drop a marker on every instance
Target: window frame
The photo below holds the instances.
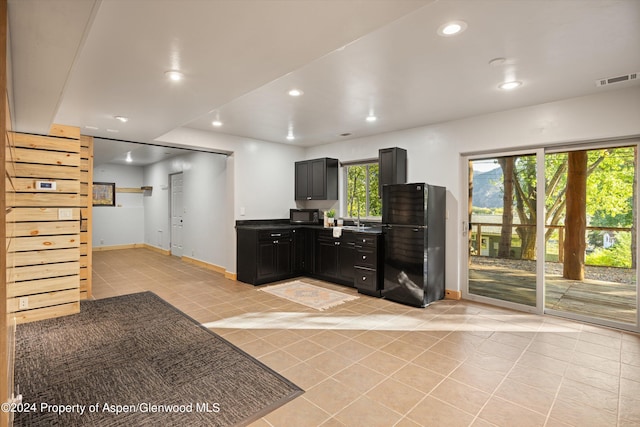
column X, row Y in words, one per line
column 345, row 193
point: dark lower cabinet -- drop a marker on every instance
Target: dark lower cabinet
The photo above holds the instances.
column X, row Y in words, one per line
column 302, row 251
column 269, row 255
column 334, row 257
column 264, row 255
column 368, row 265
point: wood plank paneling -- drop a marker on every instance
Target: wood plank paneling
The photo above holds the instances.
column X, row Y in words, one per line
column 47, row 312
column 43, row 171
column 47, row 199
column 7, row 344
column 28, row 185
column 43, row 157
column 41, row 286
column 20, row 259
column 86, row 214
column 44, row 300
column 39, row 214
column 35, row 272
column 43, row 229
column 39, row 243
column 41, row 142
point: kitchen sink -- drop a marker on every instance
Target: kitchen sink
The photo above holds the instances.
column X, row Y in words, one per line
column 356, row 227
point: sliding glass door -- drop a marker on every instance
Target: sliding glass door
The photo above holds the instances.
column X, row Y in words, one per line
column 502, row 228
column 590, row 235
column 555, row 231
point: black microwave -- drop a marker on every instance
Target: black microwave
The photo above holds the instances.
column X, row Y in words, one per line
column 304, row 216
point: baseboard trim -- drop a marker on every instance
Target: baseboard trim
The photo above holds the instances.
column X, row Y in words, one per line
column 203, row 264
column 118, row 247
column 231, row 276
column 156, row 249
column 448, row 294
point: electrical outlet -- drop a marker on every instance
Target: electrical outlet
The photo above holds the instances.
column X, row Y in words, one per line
column 23, row 303
column 65, row 213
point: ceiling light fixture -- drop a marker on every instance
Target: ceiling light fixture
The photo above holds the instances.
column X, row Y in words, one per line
column 216, row 123
column 174, row 75
column 290, row 137
column 113, row 130
column 452, row 28
column 91, row 127
column 295, row 92
column 371, row 118
column 129, row 159
column 509, row 85
column 123, row 119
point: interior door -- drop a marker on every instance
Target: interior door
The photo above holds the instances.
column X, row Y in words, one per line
column 177, row 213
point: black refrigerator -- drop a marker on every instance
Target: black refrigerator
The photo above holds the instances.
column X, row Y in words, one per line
column 413, row 224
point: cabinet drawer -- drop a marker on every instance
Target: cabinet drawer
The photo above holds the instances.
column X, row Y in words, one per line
column 362, row 239
column 366, row 279
column 274, row 234
column 366, row 257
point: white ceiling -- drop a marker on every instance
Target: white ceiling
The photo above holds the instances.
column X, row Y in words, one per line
column 83, row 62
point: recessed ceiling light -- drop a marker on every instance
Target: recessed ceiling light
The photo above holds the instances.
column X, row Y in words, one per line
column 452, row 28
column 123, row 119
column 509, row 85
column 290, row 137
column 113, row 130
column 174, row 75
column 129, row 159
column 371, row 118
column 216, row 123
column 295, row 92
column 496, row 62
column 91, row 127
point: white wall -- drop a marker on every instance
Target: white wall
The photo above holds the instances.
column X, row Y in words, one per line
column 204, row 196
column 434, row 152
column 262, row 177
column 259, row 178
column 124, row 223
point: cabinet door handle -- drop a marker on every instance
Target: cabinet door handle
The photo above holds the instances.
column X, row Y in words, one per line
column 337, row 243
column 276, row 234
column 275, row 242
column 364, row 278
column 364, row 257
column 309, row 198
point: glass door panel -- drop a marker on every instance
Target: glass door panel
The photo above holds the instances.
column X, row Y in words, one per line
column 502, row 228
column 590, row 234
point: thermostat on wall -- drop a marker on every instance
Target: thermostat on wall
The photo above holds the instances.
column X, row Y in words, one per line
column 46, row 185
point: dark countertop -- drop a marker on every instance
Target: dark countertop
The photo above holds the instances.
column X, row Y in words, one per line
column 278, row 224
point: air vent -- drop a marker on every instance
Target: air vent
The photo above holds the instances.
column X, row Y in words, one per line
column 619, row 79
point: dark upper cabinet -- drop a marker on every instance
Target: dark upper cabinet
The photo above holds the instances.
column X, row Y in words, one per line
column 392, row 166
column 316, row 179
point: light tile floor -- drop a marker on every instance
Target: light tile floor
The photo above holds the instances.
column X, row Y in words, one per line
column 371, row 362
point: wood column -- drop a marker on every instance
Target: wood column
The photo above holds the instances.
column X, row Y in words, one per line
column 576, row 219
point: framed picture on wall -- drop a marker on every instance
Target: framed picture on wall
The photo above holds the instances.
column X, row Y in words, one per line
column 104, row 194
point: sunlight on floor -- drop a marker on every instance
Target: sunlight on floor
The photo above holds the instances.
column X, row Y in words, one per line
column 381, row 322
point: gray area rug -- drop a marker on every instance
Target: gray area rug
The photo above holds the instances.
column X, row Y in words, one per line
column 135, row 360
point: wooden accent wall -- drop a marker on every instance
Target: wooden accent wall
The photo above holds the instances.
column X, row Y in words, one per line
column 43, row 228
column 86, row 220
column 6, row 342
